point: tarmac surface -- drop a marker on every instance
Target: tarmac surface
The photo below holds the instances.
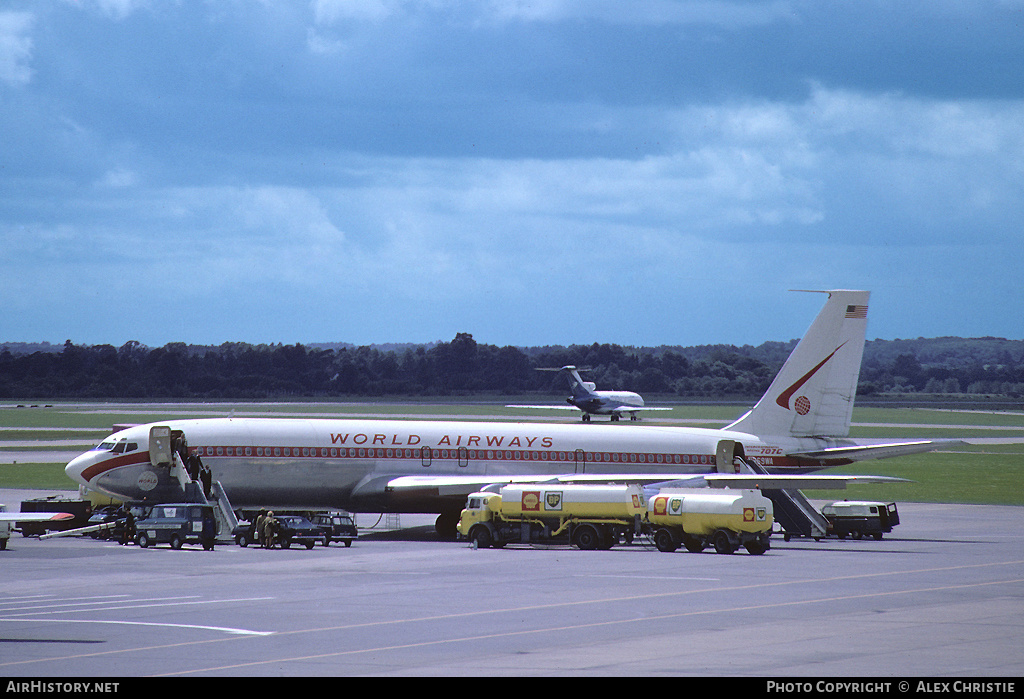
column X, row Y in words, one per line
column 940, row 597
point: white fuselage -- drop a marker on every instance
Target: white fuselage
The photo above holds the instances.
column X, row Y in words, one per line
column 349, row 463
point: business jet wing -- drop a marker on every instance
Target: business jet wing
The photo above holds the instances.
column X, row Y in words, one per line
column 862, row 452
column 35, row 516
column 604, row 408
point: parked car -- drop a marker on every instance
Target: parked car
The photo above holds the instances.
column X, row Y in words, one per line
column 293, row 529
column 111, row 514
column 337, row 526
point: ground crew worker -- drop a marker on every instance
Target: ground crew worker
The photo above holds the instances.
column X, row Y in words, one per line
column 129, row 527
column 260, row 523
column 269, row 527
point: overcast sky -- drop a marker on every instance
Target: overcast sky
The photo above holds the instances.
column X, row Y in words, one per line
column 528, row 171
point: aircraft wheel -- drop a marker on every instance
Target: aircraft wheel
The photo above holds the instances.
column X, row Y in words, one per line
column 445, row 525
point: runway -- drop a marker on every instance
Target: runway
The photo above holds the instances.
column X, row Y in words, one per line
column 942, row 596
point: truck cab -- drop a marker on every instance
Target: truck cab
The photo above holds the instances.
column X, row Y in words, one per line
column 177, row 524
column 858, row 518
column 478, row 509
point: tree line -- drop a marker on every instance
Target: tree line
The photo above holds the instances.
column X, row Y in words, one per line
column 950, row 366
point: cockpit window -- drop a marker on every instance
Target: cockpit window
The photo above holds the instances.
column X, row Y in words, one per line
column 104, row 446
column 118, row 448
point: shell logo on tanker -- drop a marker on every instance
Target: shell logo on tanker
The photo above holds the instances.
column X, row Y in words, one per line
column 751, row 514
column 660, row 505
column 531, row 501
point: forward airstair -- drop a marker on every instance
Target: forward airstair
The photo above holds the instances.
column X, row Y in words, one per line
column 222, row 510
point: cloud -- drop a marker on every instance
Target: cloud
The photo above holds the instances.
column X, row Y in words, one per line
column 15, row 48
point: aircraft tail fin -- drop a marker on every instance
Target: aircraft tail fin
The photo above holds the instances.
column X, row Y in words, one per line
column 580, row 388
column 813, row 393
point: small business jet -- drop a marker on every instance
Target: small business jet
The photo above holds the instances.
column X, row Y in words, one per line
column 801, row 425
column 585, row 397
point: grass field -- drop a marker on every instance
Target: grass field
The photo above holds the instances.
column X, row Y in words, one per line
column 979, row 473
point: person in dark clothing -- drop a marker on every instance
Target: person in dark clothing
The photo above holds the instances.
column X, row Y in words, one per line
column 206, row 476
column 128, row 535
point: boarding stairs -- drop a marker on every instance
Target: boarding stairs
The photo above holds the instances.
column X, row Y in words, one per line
column 792, row 510
column 193, row 490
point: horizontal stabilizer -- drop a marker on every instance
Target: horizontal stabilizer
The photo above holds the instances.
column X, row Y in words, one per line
column 862, row 452
column 809, row 482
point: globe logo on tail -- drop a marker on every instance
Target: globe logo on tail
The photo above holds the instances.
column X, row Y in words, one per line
column 802, row 405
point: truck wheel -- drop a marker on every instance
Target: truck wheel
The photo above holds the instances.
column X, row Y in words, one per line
column 755, row 547
column 693, row 544
column 586, row 538
column 142, row 540
column 242, row 540
column 664, row 541
column 482, row 536
column 175, row 542
column 722, row 543
column 309, row 545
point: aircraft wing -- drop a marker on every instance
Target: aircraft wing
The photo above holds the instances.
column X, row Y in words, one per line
column 632, row 408
column 34, row 516
column 862, row 452
column 464, row 485
column 545, row 407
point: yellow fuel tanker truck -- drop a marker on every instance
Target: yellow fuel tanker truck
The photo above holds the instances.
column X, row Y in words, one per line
column 698, row 517
column 587, row 516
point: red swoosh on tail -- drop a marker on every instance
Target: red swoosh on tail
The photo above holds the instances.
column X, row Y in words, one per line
column 783, row 399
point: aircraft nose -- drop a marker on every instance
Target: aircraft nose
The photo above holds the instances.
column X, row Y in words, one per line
column 75, row 469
